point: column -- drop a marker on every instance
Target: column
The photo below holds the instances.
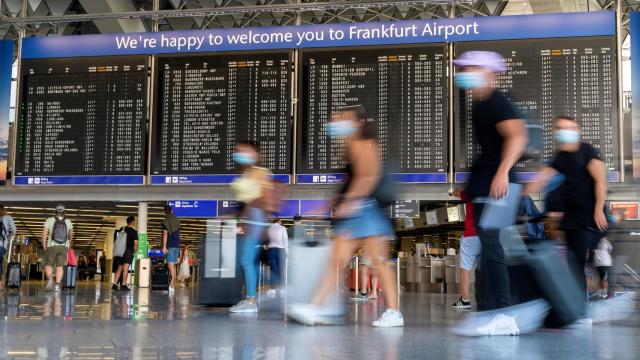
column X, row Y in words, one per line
column 143, row 246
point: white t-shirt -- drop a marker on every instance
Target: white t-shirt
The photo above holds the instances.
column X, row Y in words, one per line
column 49, row 224
column 278, row 236
column 602, row 255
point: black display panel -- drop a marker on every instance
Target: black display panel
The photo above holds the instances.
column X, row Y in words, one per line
column 547, row 78
column 83, row 117
column 206, row 104
column 404, row 91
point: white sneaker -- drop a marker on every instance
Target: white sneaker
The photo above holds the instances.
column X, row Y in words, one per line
column 244, row 307
column 390, row 318
column 304, row 313
column 271, row 293
column 57, row 288
column 501, row 324
column 172, row 291
column 49, row 286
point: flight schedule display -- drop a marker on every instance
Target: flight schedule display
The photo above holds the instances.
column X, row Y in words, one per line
column 547, row 78
column 404, row 92
column 83, row 121
column 207, row 104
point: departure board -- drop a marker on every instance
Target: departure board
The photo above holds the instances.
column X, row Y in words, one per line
column 83, row 117
column 206, row 104
column 404, row 91
column 547, row 78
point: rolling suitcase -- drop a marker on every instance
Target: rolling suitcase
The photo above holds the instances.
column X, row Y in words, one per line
column 221, row 279
column 160, row 277
column 14, row 275
column 70, row 277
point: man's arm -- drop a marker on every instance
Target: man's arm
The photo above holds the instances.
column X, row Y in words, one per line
column 285, row 239
column 165, row 236
column 70, row 234
column 515, row 137
column 13, row 230
column 544, row 175
column 45, row 237
column 597, row 171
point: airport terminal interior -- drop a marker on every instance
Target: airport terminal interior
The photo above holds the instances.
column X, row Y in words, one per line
column 222, row 139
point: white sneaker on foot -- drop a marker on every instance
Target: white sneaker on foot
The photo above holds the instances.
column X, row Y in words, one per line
column 172, row 291
column 57, row 288
column 244, row 307
column 390, row 318
column 304, row 313
column 49, row 286
column 501, row 324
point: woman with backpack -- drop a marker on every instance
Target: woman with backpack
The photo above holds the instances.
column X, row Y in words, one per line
column 360, row 220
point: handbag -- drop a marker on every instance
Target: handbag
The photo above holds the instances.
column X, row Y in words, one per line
column 120, row 246
column 71, row 258
column 386, row 191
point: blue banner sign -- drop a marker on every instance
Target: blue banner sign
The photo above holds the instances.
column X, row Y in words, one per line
column 530, row 176
column 315, row 207
column 6, row 61
column 289, row 209
column 327, row 35
column 205, row 179
column 419, row 178
column 80, row 180
column 194, row 208
column 228, row 207
column 634, row 33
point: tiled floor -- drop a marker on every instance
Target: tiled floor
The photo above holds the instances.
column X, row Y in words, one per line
column 93, row 323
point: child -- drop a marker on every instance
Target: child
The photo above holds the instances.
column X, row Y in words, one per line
column 602, row 262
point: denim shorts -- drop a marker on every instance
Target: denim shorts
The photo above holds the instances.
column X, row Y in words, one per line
column 172, row 255
column 470, row 250
column 367, row 220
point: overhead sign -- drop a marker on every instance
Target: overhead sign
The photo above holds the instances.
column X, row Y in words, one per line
column 315, row 207
column 288, row 209
column 228, row 208
column 194, row 208
column 327, row 35
column 405, row 209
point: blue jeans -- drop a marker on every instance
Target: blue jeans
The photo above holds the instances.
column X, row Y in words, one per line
column 277, row 266
column 250, row 248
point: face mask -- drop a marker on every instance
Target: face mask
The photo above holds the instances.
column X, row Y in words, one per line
column 566, row 136
column 337, row 129
column 243, row 159
column 470, row 80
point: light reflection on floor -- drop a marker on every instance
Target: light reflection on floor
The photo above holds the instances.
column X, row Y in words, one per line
column 94, row 323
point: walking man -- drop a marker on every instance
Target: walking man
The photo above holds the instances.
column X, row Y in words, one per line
column 171, row 244
column 56, row 240
column 7, row 231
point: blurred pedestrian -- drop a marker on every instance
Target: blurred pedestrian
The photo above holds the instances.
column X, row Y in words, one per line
column 253, row 190
column 470, row 250
column 584, row 222
column 502, row 136
column 359, row 218
column 8, row 230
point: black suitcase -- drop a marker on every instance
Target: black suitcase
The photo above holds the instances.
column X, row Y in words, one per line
column 221, row 277
column 160, row 277
column 14, row 275
column 70, row 277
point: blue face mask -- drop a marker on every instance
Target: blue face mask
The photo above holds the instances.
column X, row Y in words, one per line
column 563, row 136
column 337, row 129
column 469, row 80
column 243, row 159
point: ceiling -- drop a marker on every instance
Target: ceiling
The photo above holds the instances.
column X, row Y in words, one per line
column 93, row 221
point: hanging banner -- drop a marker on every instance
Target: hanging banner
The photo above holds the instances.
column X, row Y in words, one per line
column 6, row 61
column 634, row 33
column 600, row 23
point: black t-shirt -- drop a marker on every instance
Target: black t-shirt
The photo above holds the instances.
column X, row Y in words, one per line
column 132, row 236
column 486, row 115
column 579, row 193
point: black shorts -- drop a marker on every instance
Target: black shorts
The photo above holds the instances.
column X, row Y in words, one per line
column 127, row 258
column 603, row 272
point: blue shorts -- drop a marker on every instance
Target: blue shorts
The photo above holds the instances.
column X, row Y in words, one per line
column 470, row 250
column 367, row 220
column 172, row 255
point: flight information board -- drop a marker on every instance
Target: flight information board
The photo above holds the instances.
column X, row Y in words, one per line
column 547, row 78
column 206, row 104
column 83, row 121
column 404, row 91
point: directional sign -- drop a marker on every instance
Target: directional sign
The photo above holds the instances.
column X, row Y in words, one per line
column 194, row 208
column 406, row 209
